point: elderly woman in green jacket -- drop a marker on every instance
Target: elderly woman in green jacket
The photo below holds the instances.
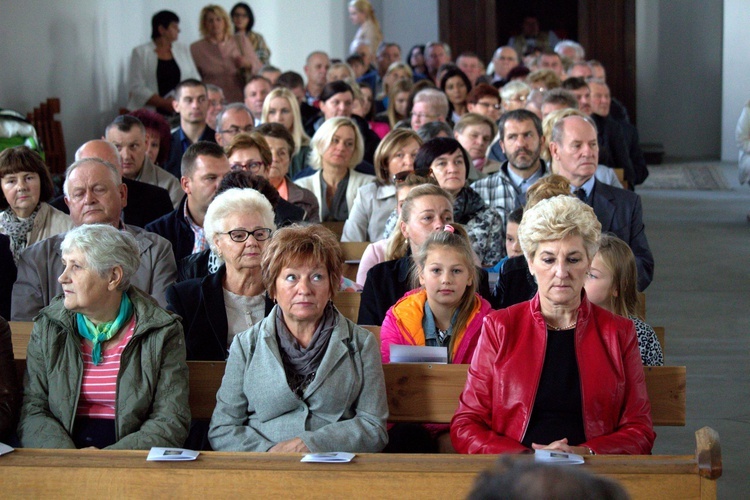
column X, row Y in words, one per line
column 105, row 366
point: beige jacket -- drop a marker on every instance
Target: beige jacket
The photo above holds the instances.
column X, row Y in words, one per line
column 157, row 176
column 49, row 221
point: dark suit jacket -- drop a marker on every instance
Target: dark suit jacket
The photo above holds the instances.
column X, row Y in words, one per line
column 200, row 304
column 621, row 213
column 146, row 203
column 174, row 228
column 514, row 285
column 634, row 150
column 174, row 163
column 389, row 281
column 613, row 150
column 7, row 275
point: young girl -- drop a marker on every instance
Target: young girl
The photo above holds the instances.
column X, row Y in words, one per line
column 611, row 284
column 446, row 310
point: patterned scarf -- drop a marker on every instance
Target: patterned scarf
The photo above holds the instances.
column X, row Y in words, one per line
column 105, row 331
column 17, row 229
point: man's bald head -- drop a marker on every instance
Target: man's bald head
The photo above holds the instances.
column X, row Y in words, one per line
column 99, row 148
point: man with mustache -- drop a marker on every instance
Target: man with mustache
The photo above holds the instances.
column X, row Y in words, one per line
column 521, row 140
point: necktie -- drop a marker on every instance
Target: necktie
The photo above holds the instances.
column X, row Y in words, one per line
column 581, row 194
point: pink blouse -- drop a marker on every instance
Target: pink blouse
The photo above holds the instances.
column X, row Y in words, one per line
column 215, row 63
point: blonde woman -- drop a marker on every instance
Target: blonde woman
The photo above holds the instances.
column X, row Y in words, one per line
column 337, row 147
column 223, row 59
column 281, row 106
column 362, row 14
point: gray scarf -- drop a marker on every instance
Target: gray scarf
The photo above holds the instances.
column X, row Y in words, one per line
column 17, row 230
column 301, row 364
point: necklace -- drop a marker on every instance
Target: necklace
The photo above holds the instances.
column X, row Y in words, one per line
column 560, row 329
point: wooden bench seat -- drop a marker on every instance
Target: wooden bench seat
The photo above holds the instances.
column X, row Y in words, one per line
column 29, row 473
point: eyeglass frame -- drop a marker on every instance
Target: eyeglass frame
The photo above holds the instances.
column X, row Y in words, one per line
column 229, row 233
column 235, row 130
column 253, row 167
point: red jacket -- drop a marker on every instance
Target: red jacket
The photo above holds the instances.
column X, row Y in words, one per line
column 495, row 407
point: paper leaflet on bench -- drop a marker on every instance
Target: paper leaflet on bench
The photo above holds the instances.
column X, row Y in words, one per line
column 171, row 454
column 4, row 448
column 418, row 354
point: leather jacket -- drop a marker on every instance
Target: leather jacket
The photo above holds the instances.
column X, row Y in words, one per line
column 496, row 404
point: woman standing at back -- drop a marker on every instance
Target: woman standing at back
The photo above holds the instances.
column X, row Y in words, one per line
column 362, row 14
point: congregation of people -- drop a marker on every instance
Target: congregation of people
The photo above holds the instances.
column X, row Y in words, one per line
column 198, row 228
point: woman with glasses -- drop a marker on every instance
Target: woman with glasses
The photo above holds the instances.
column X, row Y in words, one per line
column 484, row 100
column 219, row 306
column 394, row 160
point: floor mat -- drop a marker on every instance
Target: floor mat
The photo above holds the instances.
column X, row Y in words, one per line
column 686, row 176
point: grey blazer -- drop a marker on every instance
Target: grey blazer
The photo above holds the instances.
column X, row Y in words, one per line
column 40, row 265
column 343, row 409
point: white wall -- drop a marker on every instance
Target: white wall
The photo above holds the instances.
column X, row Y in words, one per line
column 79, row 50
column 679, row 75
column 735, row 74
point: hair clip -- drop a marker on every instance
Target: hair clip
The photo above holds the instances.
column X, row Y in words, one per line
column 449, row 228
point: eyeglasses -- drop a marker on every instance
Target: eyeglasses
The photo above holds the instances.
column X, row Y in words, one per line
column 401, row 176
column 252, row 166
column 234, row 130
column 241, row 235
column 488, row 105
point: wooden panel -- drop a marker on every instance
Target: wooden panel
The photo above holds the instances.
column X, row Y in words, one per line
column 429, row 393
column 353, row 250
column 20, row 335
column 30, row 473
column 661, row 334
column 336, row 227
column 607, row 31
column 374, row 329
column 468, row 26
column 348, row 304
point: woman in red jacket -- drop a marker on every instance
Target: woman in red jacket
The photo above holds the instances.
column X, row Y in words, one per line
column 556, row 372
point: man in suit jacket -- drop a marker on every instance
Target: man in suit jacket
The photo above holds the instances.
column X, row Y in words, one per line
column 95, row 195
column 191, row 103
column 575, row 150
column 146, row 202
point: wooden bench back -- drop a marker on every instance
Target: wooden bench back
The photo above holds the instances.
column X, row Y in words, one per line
column 348, row 304
column 429, row 393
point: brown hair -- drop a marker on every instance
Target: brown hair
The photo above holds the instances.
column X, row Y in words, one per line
column 249, row 141
column 399, row 87
column 22, row 159
column 398, row 245
column 457, row 240
column 547, row 187
column 619, row 259
column 298, row 244
column 390, row 144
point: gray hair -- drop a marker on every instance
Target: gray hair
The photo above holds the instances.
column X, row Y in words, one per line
column 446, row 47
column 234, row 105
column 561, row 116
column 233, row 201
column 116, row 178
column 555, row 219
column 577, row 47
column 435, row 98
column 210, row 87
column 104, row 248
column 430, row 130
column 513, row 89
column 321, row 141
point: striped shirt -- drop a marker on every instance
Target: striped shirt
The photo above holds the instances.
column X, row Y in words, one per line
column 99, row 384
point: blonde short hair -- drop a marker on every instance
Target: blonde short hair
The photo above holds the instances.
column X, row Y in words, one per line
column 219, row 11
column 298, row 131
column 555, row 219
column 321, row 141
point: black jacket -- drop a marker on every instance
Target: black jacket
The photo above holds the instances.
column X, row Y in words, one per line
column 389, row 281
column 7, row 275
column 174, row 228
column 146, row 203
column 514, row 285
column 200, row 304
column 173, row 165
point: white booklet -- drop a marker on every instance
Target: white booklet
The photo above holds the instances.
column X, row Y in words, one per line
column 418, row 354
column 4, row 449
column 333, row 457
column 557, row 457
column 171, row 454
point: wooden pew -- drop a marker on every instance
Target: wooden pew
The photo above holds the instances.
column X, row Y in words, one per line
column 50, row 134
column 429, row 393
column 348, row 304
column 29, row 473
column 353, row 251
column 20, row 335
column 336, row 227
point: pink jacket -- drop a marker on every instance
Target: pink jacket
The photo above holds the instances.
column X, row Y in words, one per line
column 403, row 326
